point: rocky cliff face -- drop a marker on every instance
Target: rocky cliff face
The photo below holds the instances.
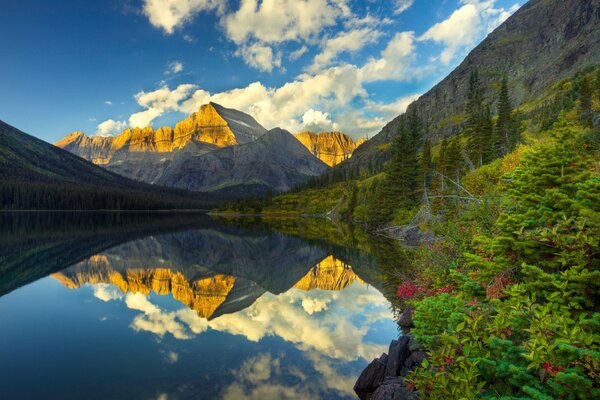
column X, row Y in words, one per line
column 210, row 296
column 216, row 149
column 276, row 161
column 212, row 125
column 203, row 295
column 329, row 274
column 330, row 147
column 542, row 43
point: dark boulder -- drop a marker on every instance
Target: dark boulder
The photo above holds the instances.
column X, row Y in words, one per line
column 398, row 354
column 405, row 321
column 371, row 377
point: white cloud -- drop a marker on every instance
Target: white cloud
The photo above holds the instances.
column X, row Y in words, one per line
column 312, row 305
column 296, row 54
column 174, row 67
column 394, row 61
column 158, row 102
column 402, row 5
column 317, row 121
column 171, row 14
column 108, row 103
column 110, row 127
column 465, row 26
column 106, row 292
column 171, row 357
column 276, row 21
column 350, row 41
column 393, row 109
column 259, row 56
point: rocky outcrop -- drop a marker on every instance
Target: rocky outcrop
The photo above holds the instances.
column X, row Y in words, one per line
column 204, row 295
column 274, row 162
column 330, row 147
column 329, row 274
column 383, row 378
column 216, row 149
column 542, row 43
column 212, row 124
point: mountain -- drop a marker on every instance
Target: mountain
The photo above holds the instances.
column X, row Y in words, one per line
column 212, row 125
column 330, row 147
column 543, row 42
column 210, row 296
column 275, row 161
column 35, row 174
column 216, row 149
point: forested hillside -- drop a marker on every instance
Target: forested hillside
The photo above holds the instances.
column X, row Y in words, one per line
column 504, row 289
column 37, row 175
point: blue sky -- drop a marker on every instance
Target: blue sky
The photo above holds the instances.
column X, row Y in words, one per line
column 100, row 66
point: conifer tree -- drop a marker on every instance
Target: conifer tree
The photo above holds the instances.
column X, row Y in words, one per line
column 505, row 129
column 585, row 99
column 426, row 167
column 454, row 161
column 474, row 110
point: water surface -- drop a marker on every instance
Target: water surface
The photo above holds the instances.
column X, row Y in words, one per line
column 161, row 306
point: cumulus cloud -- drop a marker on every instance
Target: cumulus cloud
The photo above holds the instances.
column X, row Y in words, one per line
column 317, row 121
column 108, row 103
column 106, row 292
column 312, row 306
column 465, row 26
column 157, row 102
column 110, row 127
column 171, row 14
column 350, row 41
column 260, row 57
column 394, row 60
column 276, row 21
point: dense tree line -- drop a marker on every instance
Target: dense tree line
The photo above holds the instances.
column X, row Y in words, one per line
column 47, row 196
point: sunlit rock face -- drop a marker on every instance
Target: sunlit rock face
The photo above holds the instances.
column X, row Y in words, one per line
column 203, row 295
column 212, row 124
column 329, row 274
column 330, row 147
column 216, row 149
column 210, row 296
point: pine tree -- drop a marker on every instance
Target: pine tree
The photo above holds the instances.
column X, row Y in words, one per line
column 454, row 161
column 504, row 129
column 490, row 147
column 426, row 168
column 585, row 99
column 474, row 120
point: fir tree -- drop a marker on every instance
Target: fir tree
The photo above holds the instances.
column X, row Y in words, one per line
column 426, row 168
column 504, row 129
column 585, row 99
column 474, row 110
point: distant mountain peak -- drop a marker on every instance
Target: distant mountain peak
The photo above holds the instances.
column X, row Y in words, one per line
column 212, row 124
column 331, row 147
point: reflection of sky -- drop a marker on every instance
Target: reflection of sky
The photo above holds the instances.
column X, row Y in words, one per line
column 294, row 345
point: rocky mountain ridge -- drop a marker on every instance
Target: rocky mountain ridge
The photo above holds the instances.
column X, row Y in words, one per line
column 216, row 149
column 212, row 124
column 542, row 43
column 330, row 147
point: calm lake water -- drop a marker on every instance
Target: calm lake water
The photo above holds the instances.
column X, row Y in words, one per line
column 162, row 306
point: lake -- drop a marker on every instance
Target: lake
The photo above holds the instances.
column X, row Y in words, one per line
column 184, row 306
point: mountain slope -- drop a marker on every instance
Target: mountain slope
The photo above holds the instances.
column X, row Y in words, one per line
column 540, row 44
column 212, row 124
column 31, row 166
column 215, row 149
column 330, row 147
column 275, row 161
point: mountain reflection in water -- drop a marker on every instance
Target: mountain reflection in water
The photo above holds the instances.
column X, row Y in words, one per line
column 186, row 307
